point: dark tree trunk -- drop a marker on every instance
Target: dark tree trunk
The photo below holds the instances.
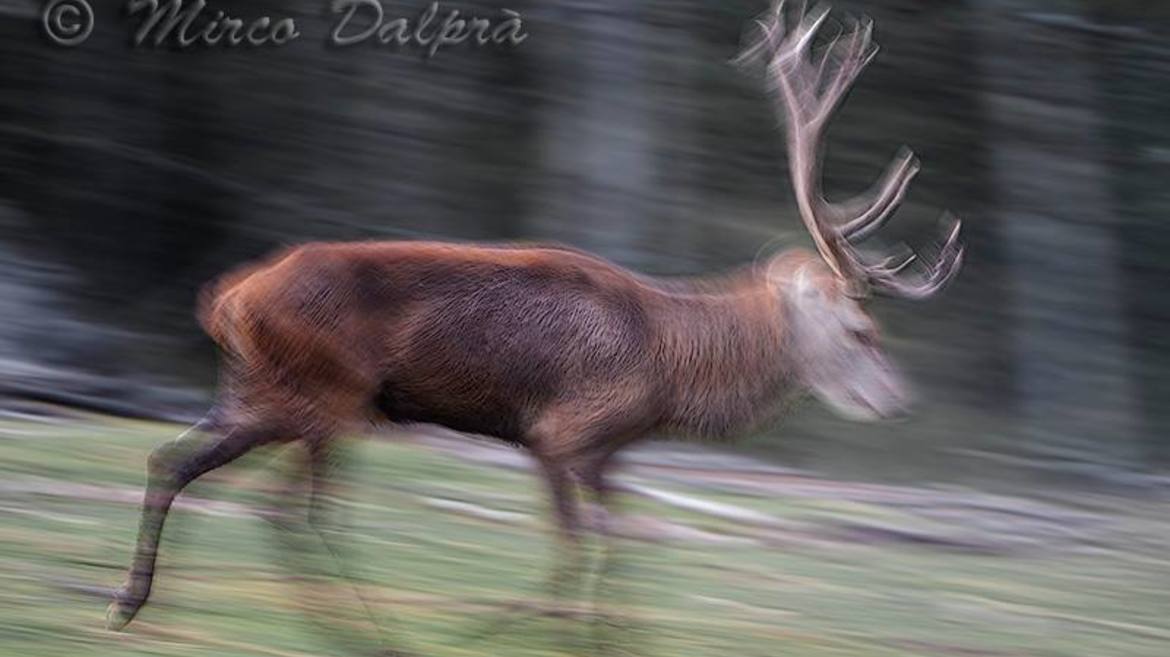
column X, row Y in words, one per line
column 1073, row 370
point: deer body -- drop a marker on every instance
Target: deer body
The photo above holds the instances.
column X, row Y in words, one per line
column 553, row 349
column 501, row 341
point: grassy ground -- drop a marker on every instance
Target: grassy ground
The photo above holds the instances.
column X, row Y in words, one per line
column 437, row 543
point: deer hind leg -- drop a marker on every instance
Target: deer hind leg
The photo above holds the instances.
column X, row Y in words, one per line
column 306, row 536
column 171, row 466
column 325, row 463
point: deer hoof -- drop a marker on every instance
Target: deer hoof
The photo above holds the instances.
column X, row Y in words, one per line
column 121, row 611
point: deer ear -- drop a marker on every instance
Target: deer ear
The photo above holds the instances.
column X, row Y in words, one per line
column 800, row 283
column 804, row 286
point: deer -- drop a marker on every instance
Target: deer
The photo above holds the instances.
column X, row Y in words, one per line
column 555, row 350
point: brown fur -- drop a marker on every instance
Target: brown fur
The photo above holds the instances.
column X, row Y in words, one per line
column 538, row 345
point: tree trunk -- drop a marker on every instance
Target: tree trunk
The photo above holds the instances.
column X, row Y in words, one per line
column 597, row 146
column 1073, row 370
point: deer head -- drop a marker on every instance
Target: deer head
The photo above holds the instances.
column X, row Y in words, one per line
column 838, row 353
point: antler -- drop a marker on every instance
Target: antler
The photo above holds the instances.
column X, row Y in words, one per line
column 808, row 88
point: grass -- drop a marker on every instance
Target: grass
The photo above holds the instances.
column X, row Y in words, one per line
column 68, row 513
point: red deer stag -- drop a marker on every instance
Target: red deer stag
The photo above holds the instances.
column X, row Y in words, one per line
column 552, row 349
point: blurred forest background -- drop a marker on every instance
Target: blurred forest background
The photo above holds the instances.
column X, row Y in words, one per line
column 130, row 177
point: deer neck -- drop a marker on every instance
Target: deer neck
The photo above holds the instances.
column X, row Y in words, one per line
column 722, row 349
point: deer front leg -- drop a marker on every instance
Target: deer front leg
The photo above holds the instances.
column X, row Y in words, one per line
column 170, row 468
column 611, row 631
column 567, row 567
column 566, row 571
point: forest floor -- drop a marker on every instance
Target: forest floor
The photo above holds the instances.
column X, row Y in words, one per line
column 718, row 555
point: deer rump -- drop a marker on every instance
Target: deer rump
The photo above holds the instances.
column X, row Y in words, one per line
column 475, row 338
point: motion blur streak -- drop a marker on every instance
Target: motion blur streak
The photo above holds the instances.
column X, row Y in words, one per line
column 1018, row 509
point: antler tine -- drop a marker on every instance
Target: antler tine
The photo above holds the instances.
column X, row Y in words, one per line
column 806, row 31
column 856, row 54
column 948, row 263
column 894, row 264
column 777, row 46
column 874, row 209
column 769, row 40
column 790, row 68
